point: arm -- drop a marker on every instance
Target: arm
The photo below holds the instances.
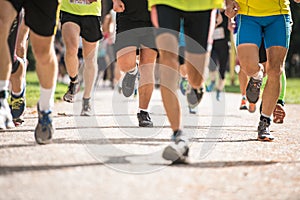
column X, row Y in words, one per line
column 118, row 6
column 232, row 8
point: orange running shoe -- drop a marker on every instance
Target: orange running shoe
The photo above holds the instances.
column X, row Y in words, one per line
column 252, row 107
column 243, row 104
column 278, row 114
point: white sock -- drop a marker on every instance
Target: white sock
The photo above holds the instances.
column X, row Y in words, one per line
column 134, row 71
column 260, row 74
column 4, row 85
column 140, row 109
column 46, row 101
column 18, row 94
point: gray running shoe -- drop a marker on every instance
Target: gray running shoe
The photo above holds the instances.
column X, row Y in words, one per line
column 264, row 133
column 86, row 108
column 194, row 96
column 177, row 152
column 144, row 119
column 44, row 129
column 128, row 84
column 6, row 120
column 73, row 88
column 253, row 90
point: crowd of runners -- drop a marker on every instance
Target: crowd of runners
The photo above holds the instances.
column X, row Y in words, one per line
column 175, row 38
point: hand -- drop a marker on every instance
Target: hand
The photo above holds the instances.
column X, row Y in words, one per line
column 232, row 8
column 297, row 1
column 118, row 6
column 154, row 18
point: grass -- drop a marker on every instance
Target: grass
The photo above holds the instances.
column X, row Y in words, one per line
column 33, row 89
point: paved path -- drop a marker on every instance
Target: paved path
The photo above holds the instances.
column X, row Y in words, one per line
column 109, row 157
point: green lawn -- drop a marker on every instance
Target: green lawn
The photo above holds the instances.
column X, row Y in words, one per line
column 33, row 89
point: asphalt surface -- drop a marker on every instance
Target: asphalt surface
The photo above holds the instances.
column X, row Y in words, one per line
column 107, row 156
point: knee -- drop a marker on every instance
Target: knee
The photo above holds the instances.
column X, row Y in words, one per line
column 126, row 65
column 274, row 71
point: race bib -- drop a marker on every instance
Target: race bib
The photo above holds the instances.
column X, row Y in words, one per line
column 79, row 1
column 219, row 33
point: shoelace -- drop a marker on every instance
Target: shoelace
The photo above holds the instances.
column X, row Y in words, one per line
column 264, row 125
column 16, row 103
column 72, row 88
column 45, row 119
column 145, row 116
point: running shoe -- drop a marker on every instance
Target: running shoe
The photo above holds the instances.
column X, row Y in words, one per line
column 73, row 88
column 128, row 84
column 6, row 120
column 192, row 110
column 17, row 105
column 194, row 96
column 211, row 86
column 253, row 90
column 264, row 133
column 86, row 108
column 44, row 129
column 183, row 85
column 278, row 114
column 243, row 105
column 144, row 119
column 218, row 95
column 252, row 107
column 178, row 150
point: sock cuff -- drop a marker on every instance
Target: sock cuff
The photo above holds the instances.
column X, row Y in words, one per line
column 73, row 79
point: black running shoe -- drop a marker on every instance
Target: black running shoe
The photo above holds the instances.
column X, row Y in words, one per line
column 253, row 90
column 264, row 133
column 73, row 88
column 128, row 84
column 194, row 96
column 44, row 129
column 144, row 119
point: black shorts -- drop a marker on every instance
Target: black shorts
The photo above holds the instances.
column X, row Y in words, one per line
column 196, row 26
column 90, row 26
column 136, row 37
column 40, row 16
column 262, row 52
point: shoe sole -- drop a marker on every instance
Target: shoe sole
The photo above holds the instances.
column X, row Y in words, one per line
column 252, row 110
column 128, row 91
column 252, row 97
column 278, row 114
column 266, row 139
column 149, row 126
column 40, row 137
column 244, row 108
column 171, row 154
column 68, row 100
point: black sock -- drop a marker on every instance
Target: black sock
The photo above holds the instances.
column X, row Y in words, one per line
column 262, row 118
column 74, row 79
column 281, row 102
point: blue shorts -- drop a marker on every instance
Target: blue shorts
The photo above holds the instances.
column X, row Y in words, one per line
column 276, row 30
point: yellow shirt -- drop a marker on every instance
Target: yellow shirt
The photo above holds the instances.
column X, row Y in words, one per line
column 264, row 7
column 189, row 5
column 81, row 7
